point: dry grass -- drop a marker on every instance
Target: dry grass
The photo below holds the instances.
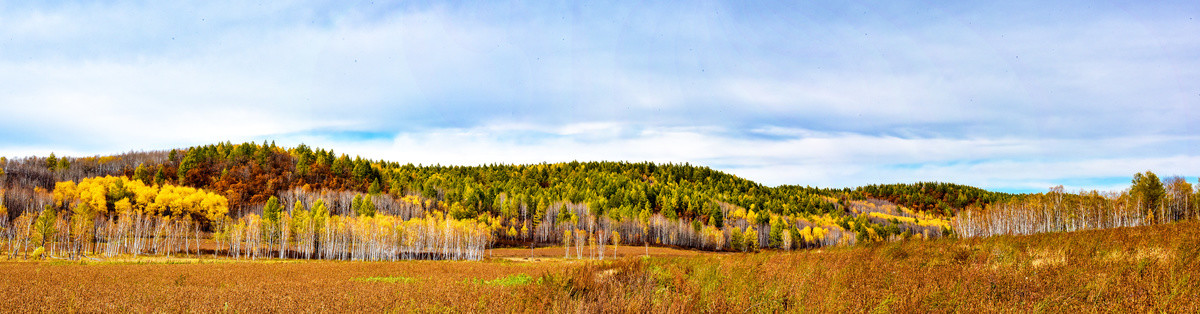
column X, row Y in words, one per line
column 257, row 286
column 1073, row 272
column 621, row 251
column 1145, row 269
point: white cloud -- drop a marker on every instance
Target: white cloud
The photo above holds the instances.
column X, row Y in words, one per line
column 807, row 95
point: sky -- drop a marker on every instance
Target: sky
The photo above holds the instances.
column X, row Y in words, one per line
column 1013, row 96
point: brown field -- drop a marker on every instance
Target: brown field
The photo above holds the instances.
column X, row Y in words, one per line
column 621, row 252
column 1144, row 269
column 245, row 286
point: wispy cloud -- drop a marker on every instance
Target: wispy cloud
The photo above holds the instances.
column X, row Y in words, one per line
column 830, row 95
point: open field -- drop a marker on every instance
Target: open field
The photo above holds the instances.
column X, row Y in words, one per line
column 245, row 286
column 1142, row 269
column 620, row 252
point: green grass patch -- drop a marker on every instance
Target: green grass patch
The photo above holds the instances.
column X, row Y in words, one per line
column 506, row 281
column 393, row 279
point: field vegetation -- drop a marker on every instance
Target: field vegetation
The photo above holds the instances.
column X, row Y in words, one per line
column 1138, row 269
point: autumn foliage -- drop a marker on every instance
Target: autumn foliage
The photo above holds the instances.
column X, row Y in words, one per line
column 255, row 200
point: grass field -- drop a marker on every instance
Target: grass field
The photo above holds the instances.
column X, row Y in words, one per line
column 1145, row 269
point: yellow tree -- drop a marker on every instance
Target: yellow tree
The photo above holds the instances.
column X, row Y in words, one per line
column 81, row 227
column 616, row 241
column 566, row 243
column 65, row 193
column 751, row 238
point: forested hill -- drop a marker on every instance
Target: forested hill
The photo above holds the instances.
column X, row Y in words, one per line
column 945, row 199
column 247, row 174
column 671, row 204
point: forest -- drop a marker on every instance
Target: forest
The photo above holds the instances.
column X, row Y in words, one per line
column 258, row 200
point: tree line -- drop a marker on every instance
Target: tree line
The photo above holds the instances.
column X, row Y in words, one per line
column 109, row 216
column 575, row 204
column 1147, row 201
column 520, row 196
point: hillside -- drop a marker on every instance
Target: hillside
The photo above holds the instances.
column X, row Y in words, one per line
column 945, row 199
column 666, row 204
column 255, row 200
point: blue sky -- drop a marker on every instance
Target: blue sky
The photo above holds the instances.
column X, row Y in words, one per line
column 1013, row 96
